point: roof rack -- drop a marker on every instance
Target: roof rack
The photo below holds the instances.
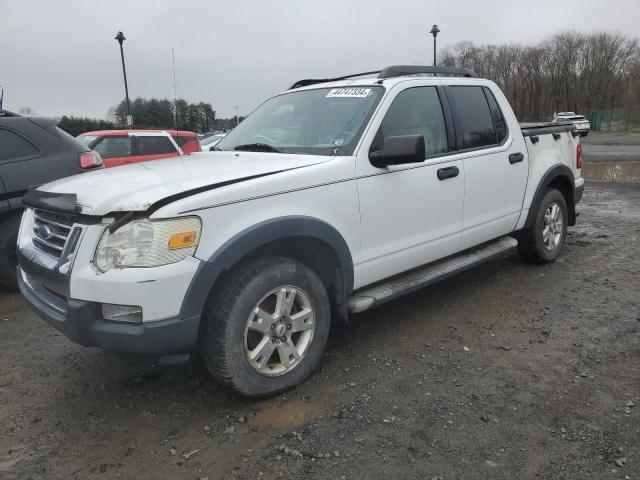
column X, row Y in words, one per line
column 403, row 70
column 393, row 71
column 313, row 81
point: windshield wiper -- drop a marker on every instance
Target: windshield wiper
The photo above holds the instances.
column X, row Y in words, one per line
column 258, row 147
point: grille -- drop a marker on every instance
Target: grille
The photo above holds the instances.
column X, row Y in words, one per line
column 51, row 231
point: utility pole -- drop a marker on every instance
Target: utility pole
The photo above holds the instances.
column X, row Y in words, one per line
column 175, row 92
column 237, row 107
column 121, row 38
column 1, row 97
column 434, row 31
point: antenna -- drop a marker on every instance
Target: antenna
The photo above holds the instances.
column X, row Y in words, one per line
column 175, row 91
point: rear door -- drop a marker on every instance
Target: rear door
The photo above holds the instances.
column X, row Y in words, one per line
column 115, row 150
column 495, row 162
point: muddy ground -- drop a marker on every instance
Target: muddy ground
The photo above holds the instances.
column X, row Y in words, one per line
column 505, row 371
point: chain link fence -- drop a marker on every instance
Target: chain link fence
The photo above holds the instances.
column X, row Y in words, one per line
column 615, row 120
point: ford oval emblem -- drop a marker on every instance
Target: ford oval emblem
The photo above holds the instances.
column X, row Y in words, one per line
column 44, row 232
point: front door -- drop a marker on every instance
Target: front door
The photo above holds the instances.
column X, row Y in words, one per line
column 410, row 214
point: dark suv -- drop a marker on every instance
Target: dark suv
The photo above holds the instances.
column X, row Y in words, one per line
column 33, row 151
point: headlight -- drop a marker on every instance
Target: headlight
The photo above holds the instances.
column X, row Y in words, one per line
column 148, row 243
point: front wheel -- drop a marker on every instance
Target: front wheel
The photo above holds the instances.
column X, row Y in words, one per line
column 541, row 243
column 265, row 327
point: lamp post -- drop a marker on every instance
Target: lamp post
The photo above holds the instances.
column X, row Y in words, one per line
column 434, row 31
column 121, row 38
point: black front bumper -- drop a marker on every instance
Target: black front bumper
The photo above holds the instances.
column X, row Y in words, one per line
column 82, row 323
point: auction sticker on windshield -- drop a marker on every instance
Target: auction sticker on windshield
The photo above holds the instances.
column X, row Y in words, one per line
column 348, row 92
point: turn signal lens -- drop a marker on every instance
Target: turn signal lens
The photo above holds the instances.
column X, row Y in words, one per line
column 183, row 240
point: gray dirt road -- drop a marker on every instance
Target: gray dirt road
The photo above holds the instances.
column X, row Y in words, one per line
column 505, row 371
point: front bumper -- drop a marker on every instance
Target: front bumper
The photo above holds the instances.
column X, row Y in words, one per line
column 82, row 322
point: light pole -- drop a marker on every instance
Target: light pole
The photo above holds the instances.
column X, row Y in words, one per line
column 121, row 38
column 237, row 107
column 434, row 31
column 1, row 97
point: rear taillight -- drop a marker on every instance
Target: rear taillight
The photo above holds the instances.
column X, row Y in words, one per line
column 579, row 156
column 90, row 159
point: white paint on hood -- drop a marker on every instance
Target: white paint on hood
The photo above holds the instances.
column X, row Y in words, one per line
column 137, row 186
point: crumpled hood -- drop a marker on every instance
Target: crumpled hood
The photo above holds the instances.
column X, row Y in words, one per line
column 137, row 186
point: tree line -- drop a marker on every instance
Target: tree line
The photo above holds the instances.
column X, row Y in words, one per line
column 155, row 114
column 569, row 71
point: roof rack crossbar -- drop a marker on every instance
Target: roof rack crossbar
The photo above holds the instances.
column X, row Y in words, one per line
column 403, row 70
column 393, row 71
column 313, row 81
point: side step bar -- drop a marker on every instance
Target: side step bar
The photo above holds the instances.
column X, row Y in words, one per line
column 409, row 282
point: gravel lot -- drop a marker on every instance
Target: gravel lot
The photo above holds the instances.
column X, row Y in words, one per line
column 505, row 371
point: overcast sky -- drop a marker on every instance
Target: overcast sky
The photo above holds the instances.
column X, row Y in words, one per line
column 59, row 56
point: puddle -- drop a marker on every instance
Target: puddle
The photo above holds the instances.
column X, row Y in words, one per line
column 10, row 303
column 612, row 171
column 287, row 415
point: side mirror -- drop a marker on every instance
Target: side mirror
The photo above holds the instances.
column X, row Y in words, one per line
column 397, row 150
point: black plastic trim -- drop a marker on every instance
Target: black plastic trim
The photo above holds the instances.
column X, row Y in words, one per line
column 10, row 195
column 550, row 175
column 312, row 81
column 403, row 70
column 50, row 201
column 545, row 128
column 82, row 323
column 265, row 232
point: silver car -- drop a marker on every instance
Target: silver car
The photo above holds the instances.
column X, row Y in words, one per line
column 580, row 121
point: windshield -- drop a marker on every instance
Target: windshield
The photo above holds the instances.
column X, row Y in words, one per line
column 324, row 121
column 211, row 139
column 86, row 139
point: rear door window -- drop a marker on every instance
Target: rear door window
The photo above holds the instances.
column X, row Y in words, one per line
column 475, row 122
column 498, row 118
column 15, row 147
column 110, row 147
column 154, row 146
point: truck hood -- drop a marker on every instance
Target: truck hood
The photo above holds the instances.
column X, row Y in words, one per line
column 138, row 186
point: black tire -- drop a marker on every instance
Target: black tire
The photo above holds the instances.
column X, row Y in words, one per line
column 8, row 244
column 222, row 337
column 531, row 245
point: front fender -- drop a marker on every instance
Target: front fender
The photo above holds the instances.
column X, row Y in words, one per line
column 256, row 236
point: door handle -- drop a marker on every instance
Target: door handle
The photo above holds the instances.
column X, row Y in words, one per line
column 448, row 172
column 516, row 157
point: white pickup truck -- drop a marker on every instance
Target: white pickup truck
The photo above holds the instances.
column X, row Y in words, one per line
column 329, row 199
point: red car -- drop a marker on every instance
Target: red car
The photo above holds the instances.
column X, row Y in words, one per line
column 121, row 147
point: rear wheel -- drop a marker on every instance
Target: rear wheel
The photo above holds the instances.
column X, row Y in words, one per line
column 265, row 327
column 541, row 243
column 8, row 249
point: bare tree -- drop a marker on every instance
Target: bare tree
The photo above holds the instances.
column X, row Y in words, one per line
column 568, row 71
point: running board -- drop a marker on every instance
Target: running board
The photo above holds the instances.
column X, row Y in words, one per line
column 409, row 282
